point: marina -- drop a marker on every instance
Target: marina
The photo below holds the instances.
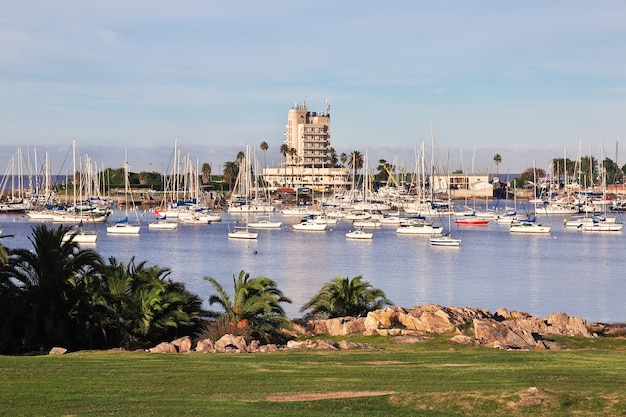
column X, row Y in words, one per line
column 565, row 270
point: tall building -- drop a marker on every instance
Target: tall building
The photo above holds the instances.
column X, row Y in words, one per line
column 309, row 134
column 310, row 163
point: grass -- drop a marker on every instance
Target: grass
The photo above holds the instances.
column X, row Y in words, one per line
column 432, row 378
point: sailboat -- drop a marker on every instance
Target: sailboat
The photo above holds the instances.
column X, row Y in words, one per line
column 123, row 226
column 265, row 223
column 529, row 224
column 243, row 232
column 79, row 235
column 161, row 223
column 445, row 239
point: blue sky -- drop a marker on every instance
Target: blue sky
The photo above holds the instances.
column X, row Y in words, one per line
column 530, row 80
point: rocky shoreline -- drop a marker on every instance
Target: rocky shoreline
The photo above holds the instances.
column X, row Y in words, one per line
column 503, row 329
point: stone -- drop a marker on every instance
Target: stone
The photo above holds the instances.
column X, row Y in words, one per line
column 57, row 351
column 164, row 347
column 183, row 344
column 268, row 348
column 205, row 345
column 254, row 346
column 229, row 342
column 460, row 339
column 488, row 332
column 347, row 345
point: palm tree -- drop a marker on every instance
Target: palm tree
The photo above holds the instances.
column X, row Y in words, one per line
column 241, row 156
column 356, row 162
column 264, row 147
column 345, row 297
column 57, row 280
column 144, row 306
column 231, row 170
column 254, row 307
column 332, row 155
column 206, row 173
column 284, row 150
column 292, row 153
column 343, row 158
column 497, row 159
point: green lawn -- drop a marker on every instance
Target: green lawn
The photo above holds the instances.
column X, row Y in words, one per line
column 426, row 379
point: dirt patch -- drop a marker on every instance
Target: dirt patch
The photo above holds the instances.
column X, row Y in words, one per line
column 315, row 396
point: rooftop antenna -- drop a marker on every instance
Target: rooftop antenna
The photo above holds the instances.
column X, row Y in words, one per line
column 327, row 106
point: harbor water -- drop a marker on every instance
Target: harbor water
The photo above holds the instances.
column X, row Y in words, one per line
column 567, row 270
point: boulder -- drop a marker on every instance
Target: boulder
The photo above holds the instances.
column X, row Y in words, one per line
column 383, row 319
column 268, row 348
column 229, row 342
column 460, row 339
column 57, row 351
column 183, row 344
column 254, row 346
column 164, row 347
column 341, row 326
column 501, row 335
column 568, row 326
column 205, row 345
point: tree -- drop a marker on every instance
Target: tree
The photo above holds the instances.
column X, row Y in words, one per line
column 588, row 171
column 345, row 297
column 292, row 153
column 206, row 173
column 241, row 156
column 284, row 150
column 332, row 155
column 611, row 171
column 343, row 158
column 231, row 170
column 145, row 307
column 264, row 147
column 530, row 176
column 497, row 159
column 356, row 162
column 384, row 168
column 254, row 306
column 56, row 283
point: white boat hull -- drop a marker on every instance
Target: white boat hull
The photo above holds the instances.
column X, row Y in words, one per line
column 359, row 234
column 309, row 226
column 242, row 234
column 123, row 229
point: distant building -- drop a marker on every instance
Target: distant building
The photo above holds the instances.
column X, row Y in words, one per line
column 310, row 162
column 463, row 185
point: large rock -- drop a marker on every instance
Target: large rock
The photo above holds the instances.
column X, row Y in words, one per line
column 183, row 344
column 568, row 326
column 501, row 335
column 205, row 345
column 341, row 326
column 229, row 342
column 428, row 318
column 164, row 347
column 57, row 351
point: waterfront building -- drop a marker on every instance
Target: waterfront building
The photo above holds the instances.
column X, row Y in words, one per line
column 463, row 185
column 309, row 162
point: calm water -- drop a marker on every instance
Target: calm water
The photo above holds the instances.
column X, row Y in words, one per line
column 581, row 274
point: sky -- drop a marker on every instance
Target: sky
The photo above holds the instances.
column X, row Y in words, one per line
column 528, row 80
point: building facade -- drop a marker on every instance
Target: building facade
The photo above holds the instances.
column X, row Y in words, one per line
column 309, row 134
column 308, row 162
column 463, row 185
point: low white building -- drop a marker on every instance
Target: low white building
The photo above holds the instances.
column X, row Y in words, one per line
column 298, row 176
column 463, row 185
